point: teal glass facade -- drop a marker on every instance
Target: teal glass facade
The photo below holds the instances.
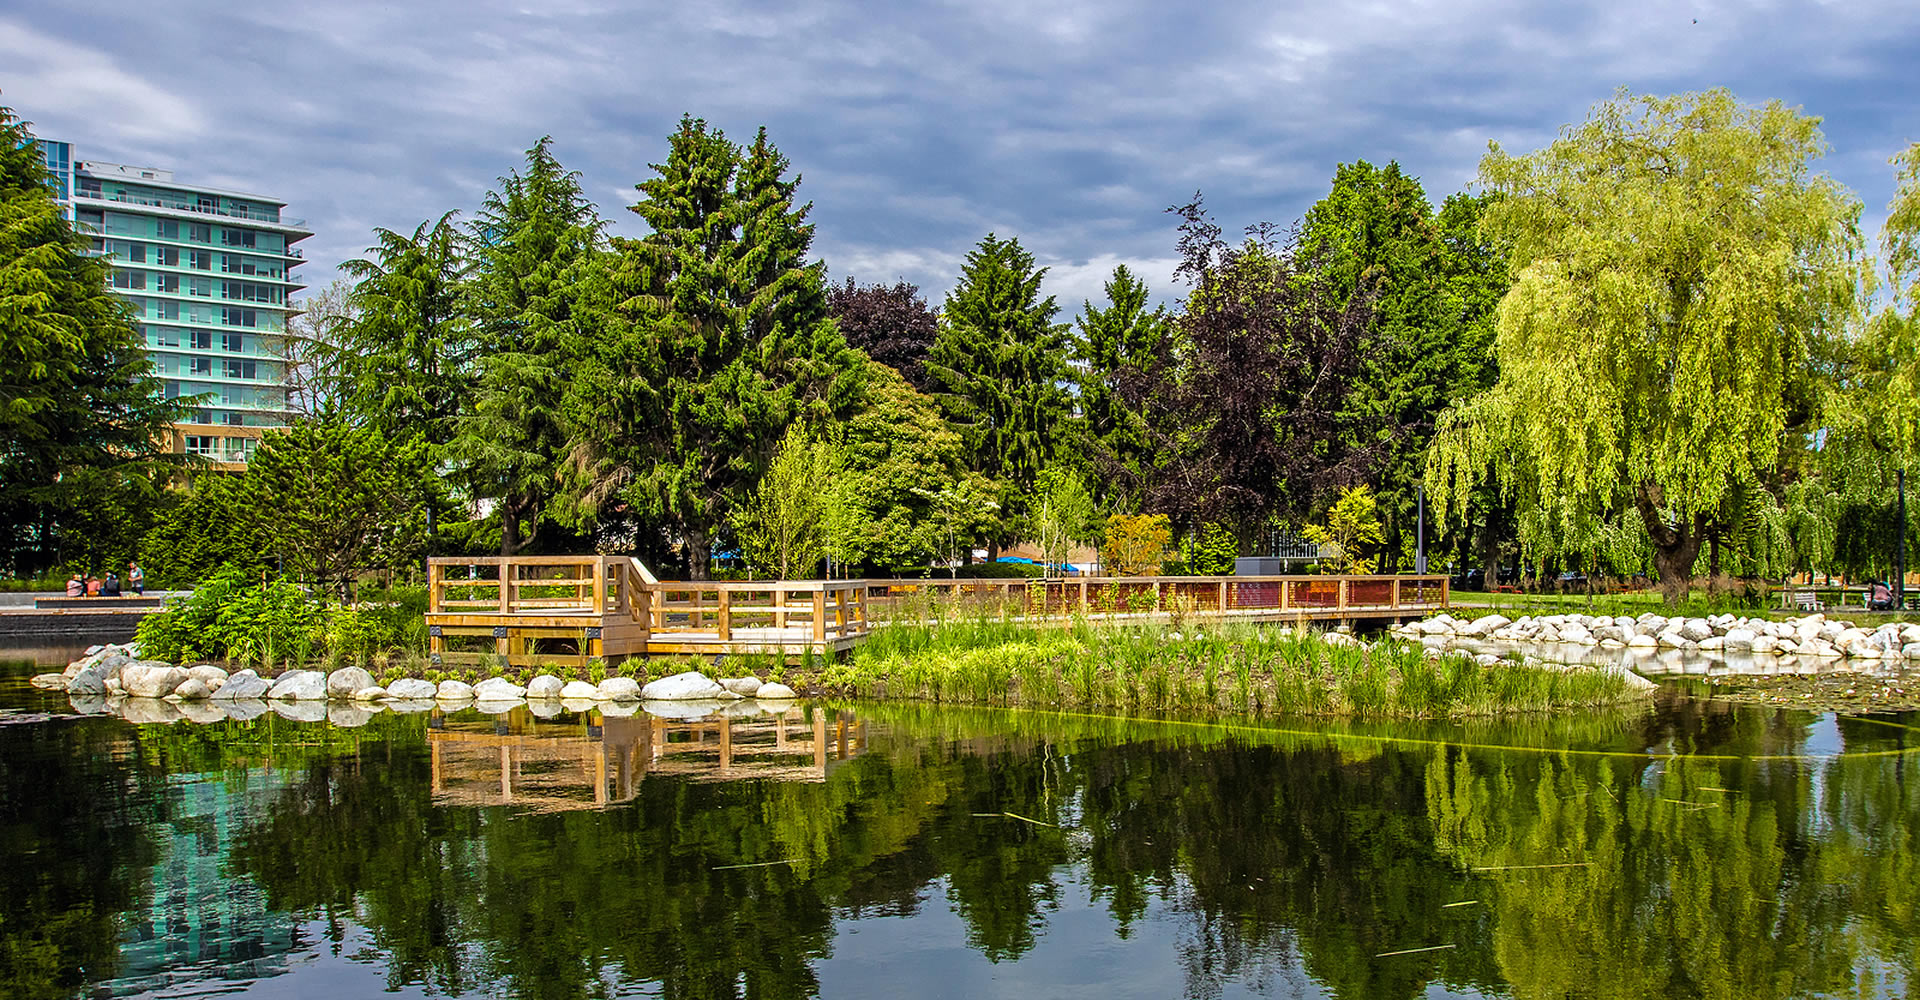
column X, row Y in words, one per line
column 210, row 275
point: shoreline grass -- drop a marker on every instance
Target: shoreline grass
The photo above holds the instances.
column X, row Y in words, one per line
column 1232, row 667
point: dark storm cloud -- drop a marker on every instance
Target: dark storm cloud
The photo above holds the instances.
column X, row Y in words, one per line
column 918, row 127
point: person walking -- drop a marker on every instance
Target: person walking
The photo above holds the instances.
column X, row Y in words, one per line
column 136, row 579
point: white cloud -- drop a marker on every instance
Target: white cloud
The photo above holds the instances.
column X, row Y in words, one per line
column 45, row 71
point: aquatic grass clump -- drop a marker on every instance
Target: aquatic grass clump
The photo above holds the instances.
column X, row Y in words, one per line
column 1233, row 667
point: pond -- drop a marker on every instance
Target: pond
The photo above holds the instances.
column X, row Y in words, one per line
column 1692, row 849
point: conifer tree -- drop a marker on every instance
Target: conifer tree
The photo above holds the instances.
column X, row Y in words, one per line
column 80, row 410
column 1002, row 362
column 717, row 338
column 404, row 362
column 535, row 243
column 1113, row 344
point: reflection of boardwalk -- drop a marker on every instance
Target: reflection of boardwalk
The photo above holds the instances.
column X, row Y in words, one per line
column 555, row 767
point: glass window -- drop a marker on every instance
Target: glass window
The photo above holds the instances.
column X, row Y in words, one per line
column 166, row 336
column 166, row 282
column 199, row 233
column 167, row 229
column 198, row 259
column 200, row 366
column 200, row 444
column 200, row 340
column 123, row 278
column 235, row 343
column 173, row 390
column 200, row 286
column 166, row 256
column 166, row 310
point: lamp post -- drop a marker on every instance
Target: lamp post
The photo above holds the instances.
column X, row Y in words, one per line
column 1420, row 530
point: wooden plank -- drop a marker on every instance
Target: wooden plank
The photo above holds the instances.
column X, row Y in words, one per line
column 723, row 622
column 819, row 616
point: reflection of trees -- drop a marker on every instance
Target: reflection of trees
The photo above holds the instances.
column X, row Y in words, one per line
column 73, row 841
column 1280, row 856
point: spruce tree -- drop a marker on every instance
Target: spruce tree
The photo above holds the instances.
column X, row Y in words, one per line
column 1002, row 362
column 1113, row 345
column 716, row 337
column 81, row 414
column 535, row 244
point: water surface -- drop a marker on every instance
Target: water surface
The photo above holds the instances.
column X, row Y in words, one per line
column 858, row 850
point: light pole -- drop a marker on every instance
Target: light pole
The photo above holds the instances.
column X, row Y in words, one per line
column 1420, row 530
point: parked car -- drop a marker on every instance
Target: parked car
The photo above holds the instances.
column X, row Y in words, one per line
column 1472, row 579
column 1572, row 581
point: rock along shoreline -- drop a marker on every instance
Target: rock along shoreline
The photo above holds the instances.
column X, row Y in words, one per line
column 122, row 682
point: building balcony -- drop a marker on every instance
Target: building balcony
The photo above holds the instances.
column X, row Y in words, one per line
column 269, row 218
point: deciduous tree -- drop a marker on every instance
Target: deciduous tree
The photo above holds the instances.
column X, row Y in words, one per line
column 893, row 324
column 1679, row 272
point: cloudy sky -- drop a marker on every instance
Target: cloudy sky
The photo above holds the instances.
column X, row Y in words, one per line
column 917, row 126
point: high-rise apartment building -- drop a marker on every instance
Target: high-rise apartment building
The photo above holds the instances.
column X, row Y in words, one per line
column 209, row 274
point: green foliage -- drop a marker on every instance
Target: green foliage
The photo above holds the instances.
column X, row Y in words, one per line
column 1112, row 345
column 1135, row 544
column 535, row 246
column 1352, row 530
column 896, row 448
column 330, row 500
column 716, row 338
column 1063, row 515
column 1002, row 363
column 1679, row 272
column 1209, row 550
column 80, row 409
column 228, row 618
column 206, row 529
column 790, row 521
column 1433, row 282
column 403, row 357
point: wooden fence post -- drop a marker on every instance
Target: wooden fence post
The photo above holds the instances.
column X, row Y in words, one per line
column 723, row 621
column 434, row 573
column 506, row 587
column 820, row 615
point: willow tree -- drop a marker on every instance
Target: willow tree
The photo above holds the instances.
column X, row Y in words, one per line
column 1679, row 276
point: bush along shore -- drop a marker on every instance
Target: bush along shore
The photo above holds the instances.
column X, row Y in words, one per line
column 1238, row 667
column 1813, row 636
column 115, row 678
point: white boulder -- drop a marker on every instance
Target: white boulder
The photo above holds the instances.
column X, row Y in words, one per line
column 690, row 686
column 412, row 689
column 776, row 692
column 579, row 690
column 618, row 689
column 342, row 683
column 151, row 678
column 498, row 689
column 545, row 686
column 299, row 685
column 243, row 685
column 452, row 690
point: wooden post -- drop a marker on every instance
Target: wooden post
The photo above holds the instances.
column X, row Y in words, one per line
column 840, row 610
column 1083, row 594
column 1446, row 591
column 1223, row 597
column 779, row 607
column 820, row 615
column 1343, row 593
column 724, row 621
column 506, row 587
column 1286, row 593
column 599, row 601
column 1396, row 592
column 434, row 573
column 1156, row 594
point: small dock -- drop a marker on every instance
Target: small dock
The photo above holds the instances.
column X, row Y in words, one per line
column 568, row 609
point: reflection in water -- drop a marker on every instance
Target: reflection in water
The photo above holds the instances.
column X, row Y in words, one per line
column 1695, row 850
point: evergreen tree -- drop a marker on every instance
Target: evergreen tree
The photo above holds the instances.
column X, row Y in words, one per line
column 80, row 410
column 1002, row 362
column 534, row 243
column 893, row 324
column 1113, row 344
column 716, row 338
column 404, row 361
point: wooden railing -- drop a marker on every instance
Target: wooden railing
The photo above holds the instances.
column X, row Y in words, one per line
column 830, row 609
column 1316, row 595
column 518, row 585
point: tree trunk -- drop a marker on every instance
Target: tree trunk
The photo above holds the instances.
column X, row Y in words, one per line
column 509, row 529
column 699, row 553
column 1675, row 547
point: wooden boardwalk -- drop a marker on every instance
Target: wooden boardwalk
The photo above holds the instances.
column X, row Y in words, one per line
column 567, row 609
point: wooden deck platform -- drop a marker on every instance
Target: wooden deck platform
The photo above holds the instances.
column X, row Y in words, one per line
column 568, row 609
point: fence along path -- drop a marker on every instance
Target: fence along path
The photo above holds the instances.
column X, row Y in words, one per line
column 571, row 608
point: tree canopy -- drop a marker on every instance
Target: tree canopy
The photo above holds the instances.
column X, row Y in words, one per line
column 1679, row 273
